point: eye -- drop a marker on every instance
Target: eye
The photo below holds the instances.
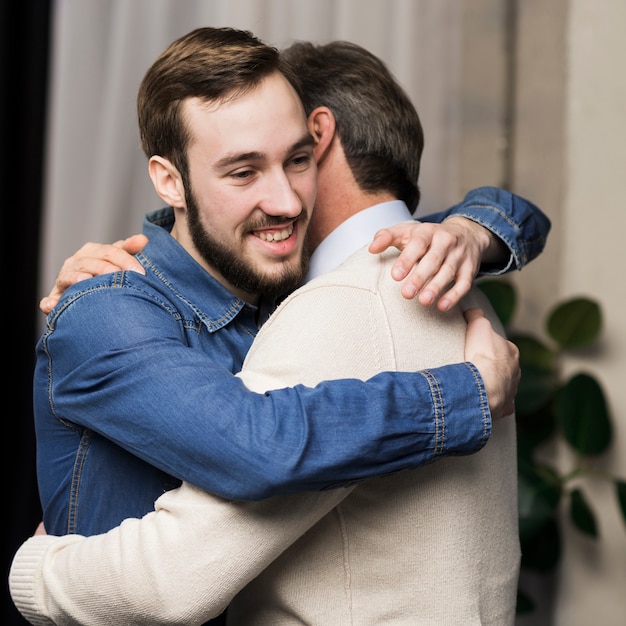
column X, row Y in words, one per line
column 302, row 161
column 242, row 175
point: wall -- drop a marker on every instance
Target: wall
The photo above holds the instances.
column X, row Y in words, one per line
column 568, row 153
column 543, row 94
column 592, row 585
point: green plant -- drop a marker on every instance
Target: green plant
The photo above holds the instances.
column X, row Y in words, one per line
column 550, row 408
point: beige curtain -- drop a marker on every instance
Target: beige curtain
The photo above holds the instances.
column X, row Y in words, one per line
column 97, row 184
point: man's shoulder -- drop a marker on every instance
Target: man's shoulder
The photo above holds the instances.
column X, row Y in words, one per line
column 104, row 288
column 362, row 269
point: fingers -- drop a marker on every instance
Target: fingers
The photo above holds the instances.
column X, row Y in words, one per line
column 132, row 244
column 497, row 360
column 383, row 239
column 449, row 298
column 446, row 285
column 47, row 303
column 105, row 258
column 95, row 259
column 474, row 313
column 65, row 279
column 437, row 262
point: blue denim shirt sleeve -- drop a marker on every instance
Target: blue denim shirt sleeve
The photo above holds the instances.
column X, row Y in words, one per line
column 177, row 409
column 521, row 225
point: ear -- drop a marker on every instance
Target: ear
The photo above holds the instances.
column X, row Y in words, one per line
column 167, row 181
column 322, row 126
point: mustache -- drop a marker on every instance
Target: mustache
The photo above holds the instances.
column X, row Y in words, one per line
column 274, row 221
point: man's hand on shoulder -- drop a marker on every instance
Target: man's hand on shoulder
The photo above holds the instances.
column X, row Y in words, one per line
column 437, row 262
column 94, row 259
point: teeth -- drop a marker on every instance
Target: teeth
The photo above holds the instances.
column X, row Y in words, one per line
column 278, row 235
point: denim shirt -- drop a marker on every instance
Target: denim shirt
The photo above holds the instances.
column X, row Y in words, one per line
column 134, row 391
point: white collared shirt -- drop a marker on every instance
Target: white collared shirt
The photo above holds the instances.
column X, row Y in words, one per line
column 356, row 232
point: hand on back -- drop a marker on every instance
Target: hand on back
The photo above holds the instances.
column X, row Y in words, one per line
column 497, row 360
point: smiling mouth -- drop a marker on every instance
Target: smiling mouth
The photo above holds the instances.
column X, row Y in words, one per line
column 276, row 235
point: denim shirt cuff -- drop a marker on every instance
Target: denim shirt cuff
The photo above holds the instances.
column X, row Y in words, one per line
column 463, row 411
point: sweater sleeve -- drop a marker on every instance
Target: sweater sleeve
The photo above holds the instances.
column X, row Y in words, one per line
column 180, row 564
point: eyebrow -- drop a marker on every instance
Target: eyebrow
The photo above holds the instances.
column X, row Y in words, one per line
column 231, row 159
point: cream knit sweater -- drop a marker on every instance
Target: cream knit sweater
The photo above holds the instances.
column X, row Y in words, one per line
column 436, row 545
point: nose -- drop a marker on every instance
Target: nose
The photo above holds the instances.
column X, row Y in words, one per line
column 280, row 198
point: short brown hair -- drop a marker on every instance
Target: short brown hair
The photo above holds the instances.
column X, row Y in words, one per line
column 212, row 64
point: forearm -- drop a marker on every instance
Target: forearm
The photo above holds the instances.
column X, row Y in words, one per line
column 181, row 564
column 302, row 439
column 238, row 444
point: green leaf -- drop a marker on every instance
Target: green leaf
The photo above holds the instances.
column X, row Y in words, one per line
column 534, row 353
column 582, row 413
column 535, row 427
column 538, row 495
column 525, row 461
column 620, row 488
column 535, row 392
column 543, row 551
column 575, row 323
column 502, row 296
column 582, row 515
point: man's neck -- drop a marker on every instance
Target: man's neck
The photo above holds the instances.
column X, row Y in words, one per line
column 354, row 233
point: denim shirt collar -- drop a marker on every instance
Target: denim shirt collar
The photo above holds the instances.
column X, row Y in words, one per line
column 170, row 264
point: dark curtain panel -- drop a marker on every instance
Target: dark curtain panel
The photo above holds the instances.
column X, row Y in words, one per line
column 24, row 44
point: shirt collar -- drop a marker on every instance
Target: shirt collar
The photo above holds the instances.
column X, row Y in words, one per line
column 356, row 232
column 173, row 266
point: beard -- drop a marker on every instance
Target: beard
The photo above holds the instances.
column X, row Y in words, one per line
column 238, row 271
